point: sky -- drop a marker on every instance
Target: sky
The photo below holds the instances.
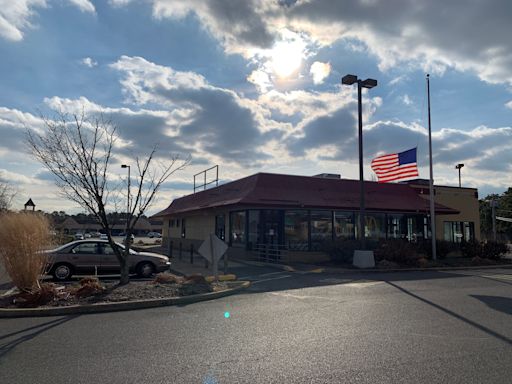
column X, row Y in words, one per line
column 255, row 86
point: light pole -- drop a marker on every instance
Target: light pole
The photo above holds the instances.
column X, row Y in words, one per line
column 368, row 83
column 128, row 196
column 459, row 166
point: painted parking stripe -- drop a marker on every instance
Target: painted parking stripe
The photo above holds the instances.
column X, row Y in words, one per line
column 262, row 275
column 270, row 279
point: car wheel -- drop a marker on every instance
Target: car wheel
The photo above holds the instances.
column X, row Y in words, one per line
column 145, row 269
column 62, row 272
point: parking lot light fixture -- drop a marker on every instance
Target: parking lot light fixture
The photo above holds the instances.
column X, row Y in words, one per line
column 368, row 83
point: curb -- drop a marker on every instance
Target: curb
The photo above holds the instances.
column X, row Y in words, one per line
column 122, row 305
column 320, row 269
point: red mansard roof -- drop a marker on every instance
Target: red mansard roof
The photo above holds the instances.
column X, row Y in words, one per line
column 288, row 191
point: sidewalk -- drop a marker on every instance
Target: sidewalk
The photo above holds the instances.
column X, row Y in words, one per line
column 183, row 266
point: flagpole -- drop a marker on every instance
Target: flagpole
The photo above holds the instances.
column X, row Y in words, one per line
column 431, row 183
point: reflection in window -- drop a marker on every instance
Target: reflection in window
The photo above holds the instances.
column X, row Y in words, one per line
column 344, row 225
column 321, row 228
column 296, row 229
column 85, row 248
column 254, row 225
column 237, row 228
column 459, row 231
column 374, row 226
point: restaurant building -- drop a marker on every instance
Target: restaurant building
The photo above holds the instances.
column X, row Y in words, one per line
column 298, row 214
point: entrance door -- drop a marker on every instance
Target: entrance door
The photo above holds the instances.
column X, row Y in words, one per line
column 271, row 226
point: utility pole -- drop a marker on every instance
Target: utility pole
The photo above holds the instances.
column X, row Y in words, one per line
column 431, row 184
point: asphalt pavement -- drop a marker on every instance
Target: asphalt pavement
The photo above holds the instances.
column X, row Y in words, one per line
column 289, row 327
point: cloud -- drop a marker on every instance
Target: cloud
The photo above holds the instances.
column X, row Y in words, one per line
column 15, row 17
column 237, row 24
column 88, row 62
column 212, row 119
column 84, row 5
column 407, row 100
column 509, row 104
column 471, row 36
column 320, row 71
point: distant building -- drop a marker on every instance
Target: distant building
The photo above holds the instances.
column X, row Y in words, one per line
column 299, row 213
column 71, row 226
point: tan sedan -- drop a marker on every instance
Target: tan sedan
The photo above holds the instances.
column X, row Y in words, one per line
column 97, row 256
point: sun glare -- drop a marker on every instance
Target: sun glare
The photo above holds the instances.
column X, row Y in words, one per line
column 286, row 58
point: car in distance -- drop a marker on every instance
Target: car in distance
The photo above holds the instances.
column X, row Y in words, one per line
column 90, row 256
column 154, row 234
column 78, row 236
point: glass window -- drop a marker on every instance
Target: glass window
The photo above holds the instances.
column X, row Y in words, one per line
column 85, row 248
column 448, row 233
column 469, row 230
column 344, row 225
column 374, row 226
column 254, row 228
column 397, row 226
column 183, row 232
column 107, row 250
column 321, row 228
column 220, row 227
column 237, row 224
column 296, row 225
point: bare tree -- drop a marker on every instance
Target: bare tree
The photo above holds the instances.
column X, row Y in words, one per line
column 78, row 150
column 7, row 194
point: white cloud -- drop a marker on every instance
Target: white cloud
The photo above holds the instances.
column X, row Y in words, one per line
column 407, row 100
column 509, row 104
column 89, row 62
column 15, row 17
column 320, row 71
column 261, row 79
column 84, row 5
column 433, row 35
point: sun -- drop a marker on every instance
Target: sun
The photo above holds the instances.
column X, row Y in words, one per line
column 286, row 57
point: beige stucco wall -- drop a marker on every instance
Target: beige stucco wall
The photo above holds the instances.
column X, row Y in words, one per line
column 464, row 200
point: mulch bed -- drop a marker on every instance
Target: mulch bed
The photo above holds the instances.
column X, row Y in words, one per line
column 111, row 292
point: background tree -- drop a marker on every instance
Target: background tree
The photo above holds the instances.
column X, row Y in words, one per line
column 7, row 194
column 503, row 209
column 78, row 150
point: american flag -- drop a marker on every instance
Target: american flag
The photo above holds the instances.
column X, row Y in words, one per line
column 395, row 166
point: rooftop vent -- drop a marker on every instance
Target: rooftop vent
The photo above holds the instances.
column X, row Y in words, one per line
column 329, row 175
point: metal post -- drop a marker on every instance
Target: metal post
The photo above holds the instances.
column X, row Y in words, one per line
column 361, row 174
column 459, row 178
column 170, row 249
column 493, row 206
column 431, row 183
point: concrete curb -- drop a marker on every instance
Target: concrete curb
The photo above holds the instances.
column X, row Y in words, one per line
column 316, row 268
column 122, row 305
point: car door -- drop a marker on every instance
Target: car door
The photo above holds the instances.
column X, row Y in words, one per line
column 85, row 256
column 109, row 260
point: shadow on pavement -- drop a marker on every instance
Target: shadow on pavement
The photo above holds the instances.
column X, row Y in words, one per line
column 498, row 303
column 29, row 333
column 456, row 315
column 283, row 280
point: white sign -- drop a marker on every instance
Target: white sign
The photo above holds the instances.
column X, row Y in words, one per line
column 213, row 249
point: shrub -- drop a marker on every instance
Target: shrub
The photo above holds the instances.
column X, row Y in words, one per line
column 88, row 286
column 494, row 250
column 397, row 251
column 23, row 238
column 443, row 248
column 42, row 295
column 342, row 250
column 168, row 278
column 472, row 249
column 490, row 250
